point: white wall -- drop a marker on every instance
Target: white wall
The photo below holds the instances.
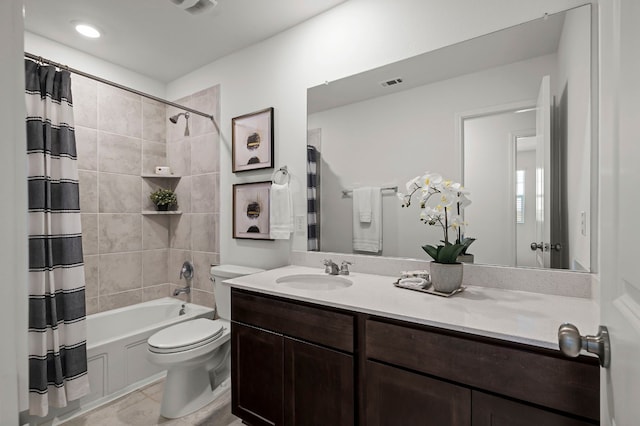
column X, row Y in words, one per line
column 388, row 140
column 351, row 38
column 574, row 52
column 13, row 248
column 489, row 154
column 60, row 53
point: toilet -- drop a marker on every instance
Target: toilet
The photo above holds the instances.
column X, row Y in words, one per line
column 196, row 352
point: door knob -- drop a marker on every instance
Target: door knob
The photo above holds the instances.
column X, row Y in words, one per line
column 536, row 246
column 571, row 342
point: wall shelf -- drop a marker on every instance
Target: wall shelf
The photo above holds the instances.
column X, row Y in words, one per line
column 157, row 212
column 152, row 175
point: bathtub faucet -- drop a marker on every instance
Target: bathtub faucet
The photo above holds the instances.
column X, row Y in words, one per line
column 179, row 291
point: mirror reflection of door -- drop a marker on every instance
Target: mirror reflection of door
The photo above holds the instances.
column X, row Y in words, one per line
column 525, row 198
column 543, row 170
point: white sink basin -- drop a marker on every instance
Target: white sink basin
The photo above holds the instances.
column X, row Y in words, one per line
column 314, row 282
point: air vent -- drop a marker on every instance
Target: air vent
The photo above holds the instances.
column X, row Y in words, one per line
column 393, row 82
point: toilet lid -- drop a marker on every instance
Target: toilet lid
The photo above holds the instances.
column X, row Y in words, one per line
column 185, row 335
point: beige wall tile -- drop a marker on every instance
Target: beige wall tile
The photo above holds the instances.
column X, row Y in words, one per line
column 153, row 154
column 204, row 155
column 203, row 193
column 119, row 112
column 120, row 272
column 92, row 306
column 206, row 101
column 119, row 232
column 85, row 101
column 154, row 267
column 88, row 187
column 87, row 148
column 91, row 276
column 154, row 119
column 155, row 232
column 180, row 232
column 179, row 157
column 119, row 193
column 205, row 232
column 156, row 292
column 202, row 262
column 119, row 300
column 183, row 192
column 89, row 233
column 203, row 298
column 119, row 154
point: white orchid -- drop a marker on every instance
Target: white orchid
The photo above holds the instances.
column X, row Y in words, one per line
column 449, row 200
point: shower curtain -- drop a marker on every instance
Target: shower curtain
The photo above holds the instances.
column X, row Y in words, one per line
column 57, row 329
column 313, row 211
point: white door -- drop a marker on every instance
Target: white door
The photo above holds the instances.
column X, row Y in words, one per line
column 543, row 182
column 620, row 205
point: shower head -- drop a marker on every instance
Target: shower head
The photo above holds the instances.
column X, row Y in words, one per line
column 174, row 120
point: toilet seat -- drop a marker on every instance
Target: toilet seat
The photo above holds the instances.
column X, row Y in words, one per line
column 185, row 336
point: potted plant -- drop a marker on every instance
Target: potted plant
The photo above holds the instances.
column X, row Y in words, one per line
column 164, row 199
column 446, row 269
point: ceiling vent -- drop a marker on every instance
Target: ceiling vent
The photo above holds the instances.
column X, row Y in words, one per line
column 393, row 82
column 195, row 7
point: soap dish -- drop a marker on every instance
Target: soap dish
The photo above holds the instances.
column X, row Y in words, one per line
column 427, row 288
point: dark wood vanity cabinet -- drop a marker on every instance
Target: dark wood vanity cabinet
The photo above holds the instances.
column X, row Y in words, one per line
column 292, row 364
column 297, row 363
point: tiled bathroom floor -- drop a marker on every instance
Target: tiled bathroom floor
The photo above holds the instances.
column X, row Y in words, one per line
column 142, row 408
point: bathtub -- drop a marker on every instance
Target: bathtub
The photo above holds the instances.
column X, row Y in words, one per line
column 116, row 351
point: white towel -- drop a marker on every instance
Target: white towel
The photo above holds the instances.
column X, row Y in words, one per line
column 367, row 236
column 280, row 212
column 362, row 202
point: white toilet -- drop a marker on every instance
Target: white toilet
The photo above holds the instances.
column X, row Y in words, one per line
column 196, row 352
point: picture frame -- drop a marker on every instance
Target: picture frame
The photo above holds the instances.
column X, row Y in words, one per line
column 252, row 141
column 251, row 204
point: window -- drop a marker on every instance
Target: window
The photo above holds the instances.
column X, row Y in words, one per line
column 520, row 196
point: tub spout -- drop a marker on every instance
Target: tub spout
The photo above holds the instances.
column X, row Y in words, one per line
column 179, row 291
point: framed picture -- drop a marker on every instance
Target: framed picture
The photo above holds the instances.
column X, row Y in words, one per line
column 252, row 141
column 251, row 210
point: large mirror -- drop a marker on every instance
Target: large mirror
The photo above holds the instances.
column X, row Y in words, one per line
column 507, row 114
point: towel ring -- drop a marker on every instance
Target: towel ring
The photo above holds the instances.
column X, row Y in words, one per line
column 285, row 173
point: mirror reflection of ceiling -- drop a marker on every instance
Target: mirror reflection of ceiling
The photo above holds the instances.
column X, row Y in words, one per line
column 158, row 39
column 370, row 135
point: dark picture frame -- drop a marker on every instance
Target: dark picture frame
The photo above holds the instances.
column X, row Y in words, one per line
column 252, row 141
column 251, row 204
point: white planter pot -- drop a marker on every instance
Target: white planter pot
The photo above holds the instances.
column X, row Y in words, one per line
column 446, row 277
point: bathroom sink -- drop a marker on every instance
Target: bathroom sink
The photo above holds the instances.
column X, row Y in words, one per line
column 314, row 282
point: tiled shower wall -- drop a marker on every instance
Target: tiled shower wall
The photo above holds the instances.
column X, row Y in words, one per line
column 128, row 256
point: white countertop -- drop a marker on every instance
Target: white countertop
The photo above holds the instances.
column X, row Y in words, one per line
column 515, row 316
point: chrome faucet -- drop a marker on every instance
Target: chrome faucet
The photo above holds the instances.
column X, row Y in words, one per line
column 344, row 267
column 330, row 267
column 186, row 272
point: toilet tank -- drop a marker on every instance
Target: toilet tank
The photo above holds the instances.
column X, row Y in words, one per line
column 222, row 292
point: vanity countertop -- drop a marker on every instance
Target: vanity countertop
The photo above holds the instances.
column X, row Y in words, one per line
column 516, row 316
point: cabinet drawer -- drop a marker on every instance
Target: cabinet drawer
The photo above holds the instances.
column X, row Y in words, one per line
column 535, row 375
column 318, row 325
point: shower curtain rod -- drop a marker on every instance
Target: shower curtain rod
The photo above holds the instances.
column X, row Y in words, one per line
column 114, row 84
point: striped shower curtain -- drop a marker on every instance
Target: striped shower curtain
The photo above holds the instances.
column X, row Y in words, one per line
column 57, row 329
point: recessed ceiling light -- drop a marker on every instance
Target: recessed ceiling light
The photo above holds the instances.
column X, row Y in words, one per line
column 87, row 30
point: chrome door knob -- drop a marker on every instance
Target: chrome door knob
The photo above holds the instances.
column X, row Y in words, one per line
column 571, row 343
column 536, row 246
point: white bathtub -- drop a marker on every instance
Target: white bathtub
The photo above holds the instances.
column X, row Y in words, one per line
column 116, row 351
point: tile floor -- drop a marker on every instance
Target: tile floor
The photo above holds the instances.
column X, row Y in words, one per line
column 142, row 408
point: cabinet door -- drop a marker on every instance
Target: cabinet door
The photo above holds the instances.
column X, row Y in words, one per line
column 319, row 386
column 256, row 375
column 490, row 410
column 398, row 397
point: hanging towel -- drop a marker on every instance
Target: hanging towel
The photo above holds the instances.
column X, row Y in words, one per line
column 367, row 236
column 362, row 202
column 281, row 212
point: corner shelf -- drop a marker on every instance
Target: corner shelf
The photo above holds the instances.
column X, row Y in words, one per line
column 151, row 175
column 156, row 212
